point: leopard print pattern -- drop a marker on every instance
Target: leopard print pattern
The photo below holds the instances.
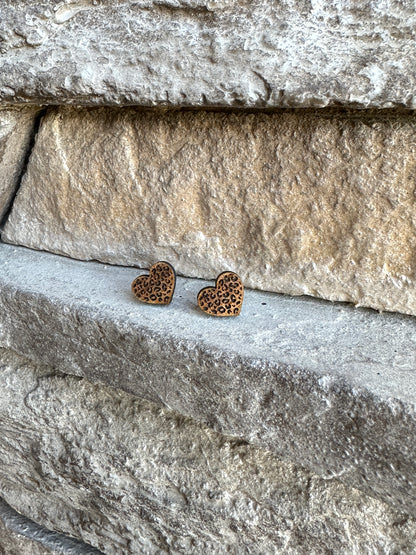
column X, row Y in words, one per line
column 225, row 299
column 158, row 286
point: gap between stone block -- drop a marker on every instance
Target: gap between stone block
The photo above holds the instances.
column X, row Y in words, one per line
column 36, row 125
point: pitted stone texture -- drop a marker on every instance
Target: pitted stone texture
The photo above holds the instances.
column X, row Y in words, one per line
column 129, row 477
column 16, row 130
column 295, row 203
column 224, row 53
column 329, row 387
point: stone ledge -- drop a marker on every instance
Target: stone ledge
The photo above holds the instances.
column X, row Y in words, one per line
column 324, row 385
column 208, row 53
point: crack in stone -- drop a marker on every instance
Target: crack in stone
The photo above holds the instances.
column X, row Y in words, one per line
column 267, row 87
column 37, row 385
column 36, row 124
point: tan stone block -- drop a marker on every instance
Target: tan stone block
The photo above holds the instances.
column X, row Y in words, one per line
column 316, row 203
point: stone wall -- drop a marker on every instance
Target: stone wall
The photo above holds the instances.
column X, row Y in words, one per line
column 275, row 139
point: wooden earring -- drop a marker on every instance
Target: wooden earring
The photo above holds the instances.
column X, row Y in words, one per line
column 158, row 286
column 225, row 299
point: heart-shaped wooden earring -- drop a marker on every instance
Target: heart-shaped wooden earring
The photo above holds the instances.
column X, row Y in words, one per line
column 225, row 299
column 158, row 286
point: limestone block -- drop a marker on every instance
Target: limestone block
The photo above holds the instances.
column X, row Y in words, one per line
column 16, row 130
column 329, row 387
column 129, row 477
column 294, row 202
column 224, row 53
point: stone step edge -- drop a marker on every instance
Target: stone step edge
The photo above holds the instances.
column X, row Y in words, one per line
column 238, row 376
column 58, row 543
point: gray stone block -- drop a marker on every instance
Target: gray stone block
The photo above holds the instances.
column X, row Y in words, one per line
column 208, row 53
column 16, row 131
column 129, row 477
column 324, row 385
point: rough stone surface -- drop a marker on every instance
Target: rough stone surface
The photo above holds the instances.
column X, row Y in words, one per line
column 296, row 203
column 20, row 535
column 329, row 387
column 130, row 477
column 209, row 53
column 16, row 129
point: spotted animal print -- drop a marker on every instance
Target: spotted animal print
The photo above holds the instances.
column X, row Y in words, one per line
column 158, row 286
column 225, row 299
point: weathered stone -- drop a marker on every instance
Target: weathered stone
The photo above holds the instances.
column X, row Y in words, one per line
column 329, row 387
column 208, row 53
column 16, row 130
column 296, row 203
column 129, row 477
column 21, row 536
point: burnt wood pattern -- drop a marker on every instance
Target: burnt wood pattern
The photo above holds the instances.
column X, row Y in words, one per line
column 225, row 299
column 158, row 286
